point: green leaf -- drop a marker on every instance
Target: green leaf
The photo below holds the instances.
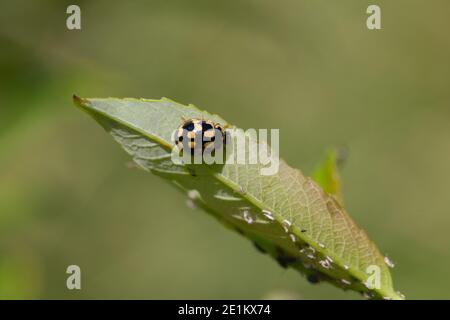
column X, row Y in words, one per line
column 326, row 174
column 286, row 215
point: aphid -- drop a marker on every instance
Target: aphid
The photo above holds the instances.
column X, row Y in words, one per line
column 313, row 278
column 293, row 238
column 389, row 262
column 367, row 295
column 268, row 215
column 193, row 195
column 259, row 247
column 401, row 295
column 325, row 264
column 311, row 249
column 247, row 216
column 286, row 224
column 285, row 261
column 283, row 258
column 196, row 135
column 345, row 281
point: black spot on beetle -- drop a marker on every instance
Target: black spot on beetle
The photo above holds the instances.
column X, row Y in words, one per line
column 189, row 126
column 206, row 126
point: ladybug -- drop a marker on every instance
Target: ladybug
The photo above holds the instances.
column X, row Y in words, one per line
column 198, row 135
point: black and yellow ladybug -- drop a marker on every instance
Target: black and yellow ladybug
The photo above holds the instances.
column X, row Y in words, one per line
column 197, row 135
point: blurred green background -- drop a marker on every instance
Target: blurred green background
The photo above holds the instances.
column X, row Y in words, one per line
column 310, row 68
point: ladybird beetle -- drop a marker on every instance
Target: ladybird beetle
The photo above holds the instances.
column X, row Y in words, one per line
column 197, row 135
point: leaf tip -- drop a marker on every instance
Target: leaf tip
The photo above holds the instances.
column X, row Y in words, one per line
column 78, row 100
